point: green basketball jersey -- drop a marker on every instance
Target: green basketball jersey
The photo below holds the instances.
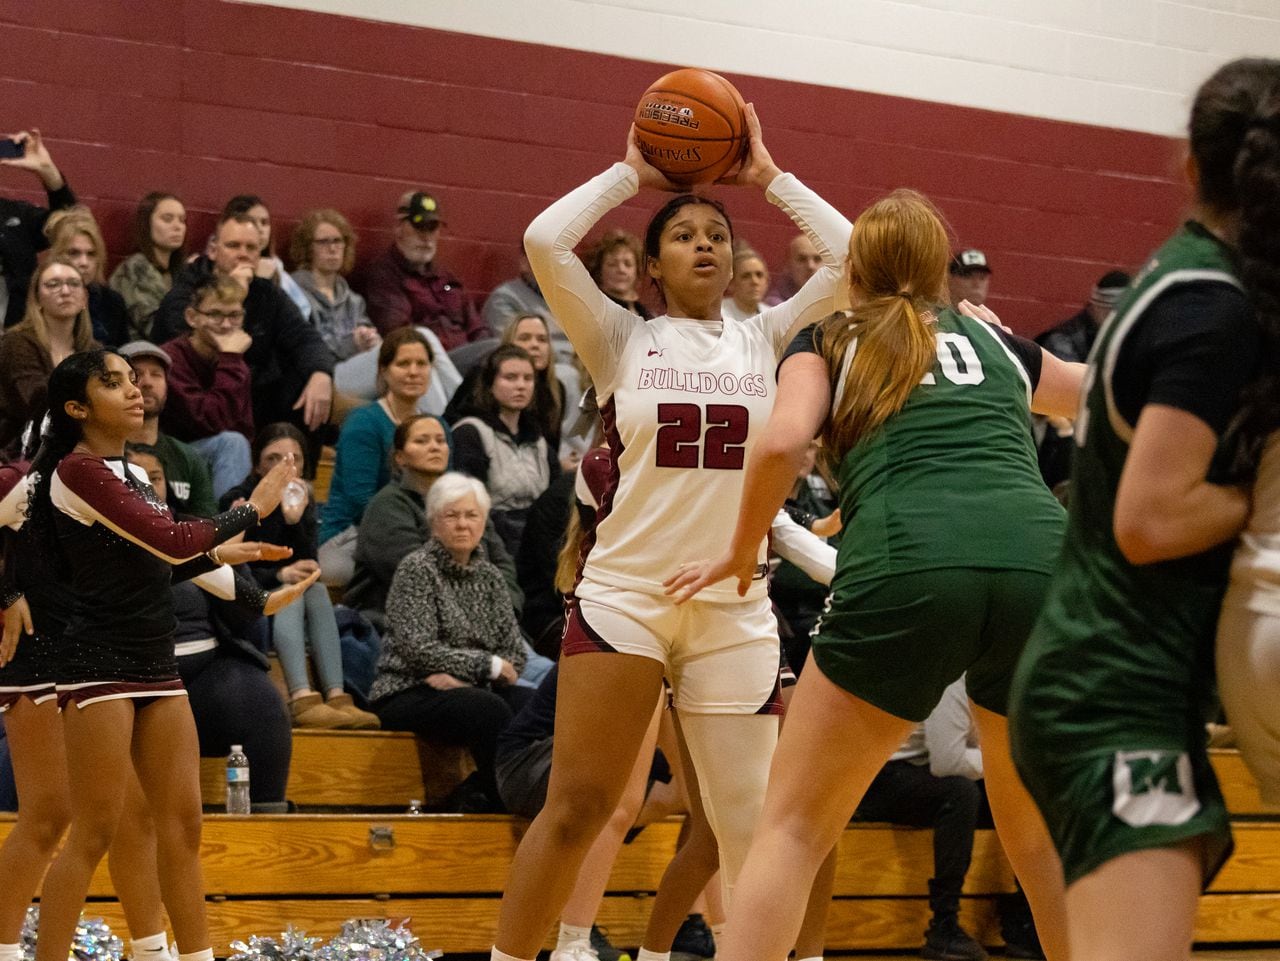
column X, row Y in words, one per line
column 951, row 479
column 1124, row 652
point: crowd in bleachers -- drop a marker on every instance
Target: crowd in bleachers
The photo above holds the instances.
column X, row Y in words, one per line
column 457, row 427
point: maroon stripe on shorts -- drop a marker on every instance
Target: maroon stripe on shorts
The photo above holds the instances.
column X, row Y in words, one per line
column 11, row 696
column 105, row 690
column 774, row 704
column 609, row 419
column 579, row 638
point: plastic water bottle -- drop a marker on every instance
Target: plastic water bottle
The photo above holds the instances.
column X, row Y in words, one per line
column 294, row 495
column 237, row 781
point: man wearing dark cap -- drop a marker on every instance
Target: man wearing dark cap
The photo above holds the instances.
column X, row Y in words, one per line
column 189, row 486
column 969, row 276
column 1073, row 338
column 405, row 286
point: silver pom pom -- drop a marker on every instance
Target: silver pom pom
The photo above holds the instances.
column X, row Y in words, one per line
column 375, row 940
column 93, row 940
column 293, row 945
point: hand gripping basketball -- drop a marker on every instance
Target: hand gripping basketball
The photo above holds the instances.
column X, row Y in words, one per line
column 691, row 125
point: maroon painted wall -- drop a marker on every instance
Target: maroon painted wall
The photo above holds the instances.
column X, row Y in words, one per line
column 208, row 99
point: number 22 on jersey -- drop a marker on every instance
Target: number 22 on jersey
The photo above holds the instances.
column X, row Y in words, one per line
column 682, row 443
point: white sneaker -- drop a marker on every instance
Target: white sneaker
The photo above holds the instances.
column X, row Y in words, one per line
column 575, row 951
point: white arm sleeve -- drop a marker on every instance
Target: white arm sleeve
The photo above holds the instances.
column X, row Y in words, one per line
column 948, row 735
column 13, row 507
column 220, row 582
column 829, row 231
column 597, row 327
column 803, row 548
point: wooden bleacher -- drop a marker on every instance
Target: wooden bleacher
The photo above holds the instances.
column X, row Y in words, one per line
column 324, row 475
column 446, row 872
column 360, row 770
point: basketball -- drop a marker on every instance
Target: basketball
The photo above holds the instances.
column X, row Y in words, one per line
column 691, row 124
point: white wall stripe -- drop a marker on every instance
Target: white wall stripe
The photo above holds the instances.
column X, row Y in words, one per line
column 1131, row 64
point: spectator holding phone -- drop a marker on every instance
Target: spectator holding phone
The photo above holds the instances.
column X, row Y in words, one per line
column 21, row 223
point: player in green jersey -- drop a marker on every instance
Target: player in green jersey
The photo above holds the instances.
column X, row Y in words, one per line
column 950, row 539
column 1110, row 699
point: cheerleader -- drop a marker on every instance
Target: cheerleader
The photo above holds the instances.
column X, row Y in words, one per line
column 101, row 531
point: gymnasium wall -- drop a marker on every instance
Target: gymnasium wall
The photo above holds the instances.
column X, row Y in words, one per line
column 1045, row 130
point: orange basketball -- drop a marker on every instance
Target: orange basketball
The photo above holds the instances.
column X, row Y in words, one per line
column 692, row 125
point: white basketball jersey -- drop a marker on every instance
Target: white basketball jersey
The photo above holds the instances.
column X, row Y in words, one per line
column 681, row 413
column 681, row 422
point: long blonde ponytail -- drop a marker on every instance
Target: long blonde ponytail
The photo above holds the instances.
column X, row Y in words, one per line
column 898, row 255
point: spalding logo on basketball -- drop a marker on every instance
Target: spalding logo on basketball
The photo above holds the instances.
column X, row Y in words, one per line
column 691, row 124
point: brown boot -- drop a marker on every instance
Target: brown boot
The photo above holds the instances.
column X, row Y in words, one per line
column 310, row 710
column 356, row 719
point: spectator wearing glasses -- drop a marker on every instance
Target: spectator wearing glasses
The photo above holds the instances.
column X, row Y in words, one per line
column 56, row 325
column 74, row 234
column 324, row 248
column 452, row 653
column 292, row 368
column 210, row 384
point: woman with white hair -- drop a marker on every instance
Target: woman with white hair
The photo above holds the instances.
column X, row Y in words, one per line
column 452, row 651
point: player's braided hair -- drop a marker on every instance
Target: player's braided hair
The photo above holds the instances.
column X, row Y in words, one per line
column 1235, row 140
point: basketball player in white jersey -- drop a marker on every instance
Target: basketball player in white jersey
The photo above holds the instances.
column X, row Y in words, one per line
column 683, row 397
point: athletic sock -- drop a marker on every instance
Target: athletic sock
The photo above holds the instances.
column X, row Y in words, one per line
column 570, row 934
column 205, row 955
column 154, row 947
column 496, row 955
column 10, row 952
column 647, row 955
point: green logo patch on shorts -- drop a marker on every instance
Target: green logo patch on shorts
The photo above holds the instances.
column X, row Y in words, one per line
column 1153, row 787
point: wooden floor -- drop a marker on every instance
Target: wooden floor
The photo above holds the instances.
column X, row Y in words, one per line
column 446, row 872
column 1266, row 954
